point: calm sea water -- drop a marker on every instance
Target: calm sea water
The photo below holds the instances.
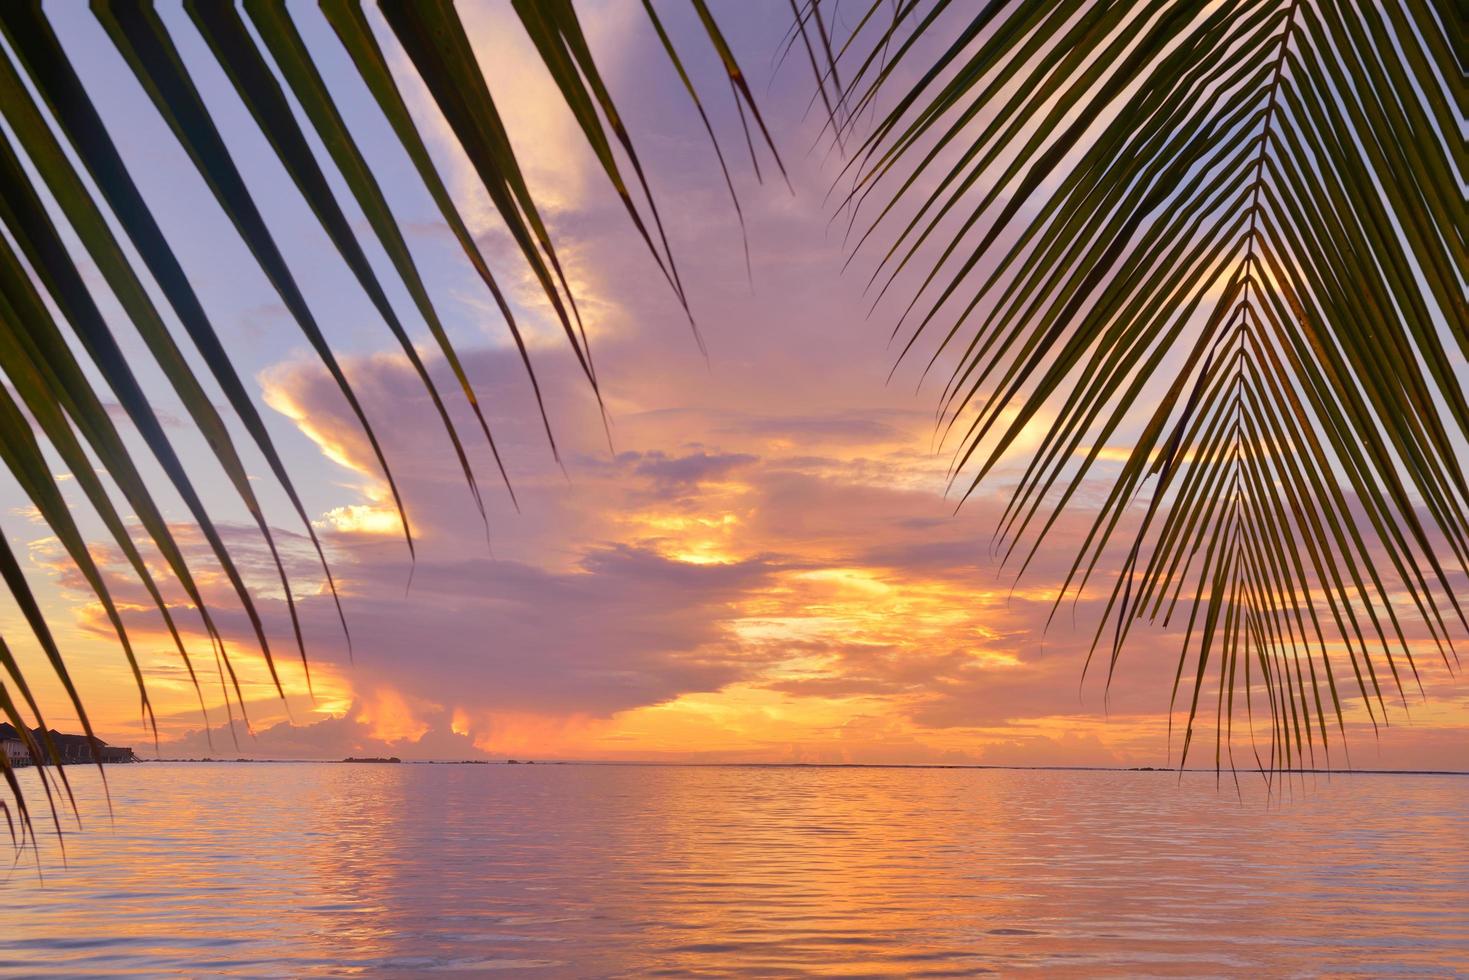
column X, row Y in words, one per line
column 342, row 870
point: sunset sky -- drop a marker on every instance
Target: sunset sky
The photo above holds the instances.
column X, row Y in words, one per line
column 755, row 559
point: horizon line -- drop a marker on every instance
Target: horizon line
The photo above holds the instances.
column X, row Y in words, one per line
column 819, row 765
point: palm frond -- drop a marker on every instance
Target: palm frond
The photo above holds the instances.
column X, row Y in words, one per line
column 56, row 139
column 1230, row 237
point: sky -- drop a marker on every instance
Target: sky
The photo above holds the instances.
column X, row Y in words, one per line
column 755, row 558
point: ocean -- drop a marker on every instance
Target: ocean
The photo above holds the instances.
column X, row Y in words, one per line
column 322, row 869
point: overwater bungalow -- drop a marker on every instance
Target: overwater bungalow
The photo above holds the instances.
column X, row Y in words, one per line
column 13, row 748
column 72, row 749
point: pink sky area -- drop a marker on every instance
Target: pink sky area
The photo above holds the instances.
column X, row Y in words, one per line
column 755, row 560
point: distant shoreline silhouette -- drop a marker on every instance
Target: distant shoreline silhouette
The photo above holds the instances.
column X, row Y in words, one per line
column 823, row 765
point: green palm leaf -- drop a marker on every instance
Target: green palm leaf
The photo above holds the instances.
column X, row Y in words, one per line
column 1230, row 236
column 48, row 112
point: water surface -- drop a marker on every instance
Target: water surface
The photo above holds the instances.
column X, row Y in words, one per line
column 340, row 870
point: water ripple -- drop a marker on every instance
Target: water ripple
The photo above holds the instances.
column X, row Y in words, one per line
column 339, row 870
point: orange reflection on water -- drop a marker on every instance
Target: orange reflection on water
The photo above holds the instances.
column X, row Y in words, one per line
column 316, row 869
